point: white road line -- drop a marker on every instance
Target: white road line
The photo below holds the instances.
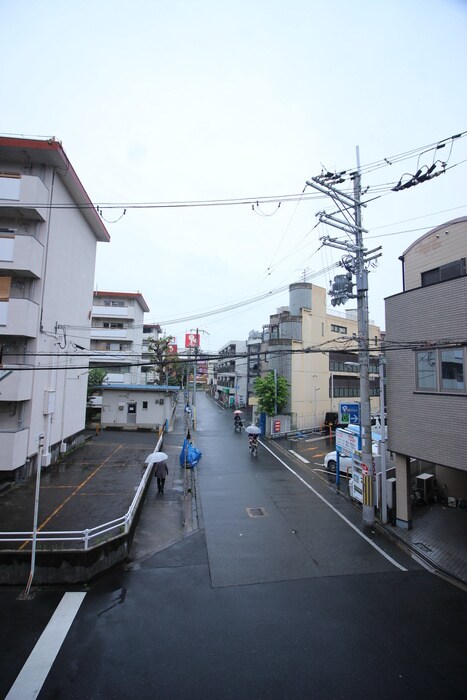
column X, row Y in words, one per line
column 295, row 454
column 367, row 539
column 34, row 672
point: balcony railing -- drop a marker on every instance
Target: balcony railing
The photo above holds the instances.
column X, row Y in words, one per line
column 103, row 311
column 19, row 317
column 15, row 383
column 13, row 449
column 21, row 254
column 26, row 196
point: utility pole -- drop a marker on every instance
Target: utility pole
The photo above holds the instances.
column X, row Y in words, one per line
column 368, row 472
column 195, row 367
column 356, row 263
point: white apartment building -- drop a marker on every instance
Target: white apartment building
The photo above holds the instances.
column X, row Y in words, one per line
column 117, row 335
column 49, row 229
column 232, row 373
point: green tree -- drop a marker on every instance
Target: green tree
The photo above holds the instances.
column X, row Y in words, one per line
column 95, row 378
column 271, row 393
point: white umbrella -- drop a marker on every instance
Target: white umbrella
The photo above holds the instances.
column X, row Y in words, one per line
column 156, row 457
column 238, row 413
column 253, row 430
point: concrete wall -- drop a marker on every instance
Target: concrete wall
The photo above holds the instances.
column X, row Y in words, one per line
column 115, row 408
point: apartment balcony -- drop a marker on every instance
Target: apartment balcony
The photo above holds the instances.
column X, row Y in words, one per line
column 15, row 383
column 26, row 197
column 19, row 317
column 124, row 312
column 112, row 358
column 21, row 255
column 226, row 373
column 13, row 449
column 109, row 333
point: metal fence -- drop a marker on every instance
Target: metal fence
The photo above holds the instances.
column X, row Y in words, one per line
column 82, row 539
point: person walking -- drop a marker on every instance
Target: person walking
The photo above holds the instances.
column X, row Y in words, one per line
column 160, row 472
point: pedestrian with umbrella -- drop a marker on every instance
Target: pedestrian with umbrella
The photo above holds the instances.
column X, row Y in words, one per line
column 160, row 470
column 253, row 432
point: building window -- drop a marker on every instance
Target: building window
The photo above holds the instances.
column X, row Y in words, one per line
column 444, row 272
column 112, row 302
column 338, row 329
column 145, row 405
column 440, row 370
column 426, row 370
column 452, row 370
column 108, row 324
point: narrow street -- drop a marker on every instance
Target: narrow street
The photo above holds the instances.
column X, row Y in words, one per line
column 277, row 595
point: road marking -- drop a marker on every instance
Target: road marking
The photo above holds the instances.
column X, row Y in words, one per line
column 34, row 672
column 362, row 535
column 295, row 454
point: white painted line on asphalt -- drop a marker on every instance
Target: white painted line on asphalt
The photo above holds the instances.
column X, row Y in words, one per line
column 367, row 539
column 295, row 454
column 34, row 672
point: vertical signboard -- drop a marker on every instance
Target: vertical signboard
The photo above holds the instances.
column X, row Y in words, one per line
column 191, row 340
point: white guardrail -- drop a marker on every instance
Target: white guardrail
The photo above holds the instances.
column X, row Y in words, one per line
column 85, row 539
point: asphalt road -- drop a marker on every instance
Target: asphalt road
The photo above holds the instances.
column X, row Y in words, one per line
column 280, row 595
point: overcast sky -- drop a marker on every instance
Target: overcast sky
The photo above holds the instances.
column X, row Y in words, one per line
column 181, row 101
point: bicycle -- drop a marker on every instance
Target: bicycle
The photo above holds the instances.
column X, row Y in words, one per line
column 253, row 447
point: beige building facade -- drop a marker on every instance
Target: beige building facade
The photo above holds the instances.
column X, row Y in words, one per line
column 317, row 353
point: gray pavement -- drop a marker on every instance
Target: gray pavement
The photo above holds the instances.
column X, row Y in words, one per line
column 96, row 483
column 439, row 533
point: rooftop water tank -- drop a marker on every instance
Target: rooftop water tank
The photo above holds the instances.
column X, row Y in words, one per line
column 299, row 297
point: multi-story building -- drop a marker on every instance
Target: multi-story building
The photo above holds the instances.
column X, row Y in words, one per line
column 151, row 331
column 303, row 345
column 232, row 373
column 253, row 346
column 117, row 335
column 426, row 333
column 48, row 235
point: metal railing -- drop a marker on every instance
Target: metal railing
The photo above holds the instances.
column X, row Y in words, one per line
column 84, row 539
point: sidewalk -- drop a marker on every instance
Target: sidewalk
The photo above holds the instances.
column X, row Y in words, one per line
column 169, row 517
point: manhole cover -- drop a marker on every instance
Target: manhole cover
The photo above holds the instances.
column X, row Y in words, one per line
column 255, row 512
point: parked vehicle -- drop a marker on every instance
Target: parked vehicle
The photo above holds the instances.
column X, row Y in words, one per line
column 330, row 462
column 345, row 462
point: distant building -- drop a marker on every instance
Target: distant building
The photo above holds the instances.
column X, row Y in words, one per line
column 301, row 342
column 426, row 332
column 253, row 346
column 231, row 388
column 150, row 331
column 48, row 235
column 117, row 335
column 143, row 407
